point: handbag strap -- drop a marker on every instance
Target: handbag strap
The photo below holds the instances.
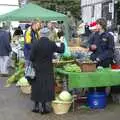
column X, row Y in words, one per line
column 29, row 65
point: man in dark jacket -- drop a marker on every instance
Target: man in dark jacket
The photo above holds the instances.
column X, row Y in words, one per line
column 102, row 45
column 5, row 50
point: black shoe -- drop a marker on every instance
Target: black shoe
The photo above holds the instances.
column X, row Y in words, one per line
column 36, row 110
column 45, row 112
column 44, row 109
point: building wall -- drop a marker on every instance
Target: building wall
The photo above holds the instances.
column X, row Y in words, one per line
column 94, row 9
column 91, row 13
column 91, row 2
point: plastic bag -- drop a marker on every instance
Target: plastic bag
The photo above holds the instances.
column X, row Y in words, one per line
column 67, row 52
column 29, row 71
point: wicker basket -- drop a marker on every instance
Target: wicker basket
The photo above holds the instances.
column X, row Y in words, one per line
column 26, row 89
column 61, row 108
column 88, row 67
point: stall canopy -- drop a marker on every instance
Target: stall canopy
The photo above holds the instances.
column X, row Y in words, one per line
column 32, row 12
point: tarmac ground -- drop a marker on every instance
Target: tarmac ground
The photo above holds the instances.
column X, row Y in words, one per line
column 16, row 106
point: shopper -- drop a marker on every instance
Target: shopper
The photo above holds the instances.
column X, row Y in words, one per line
column 41, row 57
column 31, row 35
column 18, row 31
column 5, row 50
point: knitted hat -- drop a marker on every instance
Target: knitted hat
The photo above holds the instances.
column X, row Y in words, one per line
column 44, row 32
column 93, row 26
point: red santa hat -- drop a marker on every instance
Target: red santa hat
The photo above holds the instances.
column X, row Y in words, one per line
column 93, row 26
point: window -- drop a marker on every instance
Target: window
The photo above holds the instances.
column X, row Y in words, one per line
column 92, row 11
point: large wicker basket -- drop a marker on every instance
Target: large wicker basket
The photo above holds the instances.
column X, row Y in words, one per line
column 61, row 108
column 26, row 89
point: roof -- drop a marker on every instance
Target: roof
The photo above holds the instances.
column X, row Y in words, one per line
column 31, row 12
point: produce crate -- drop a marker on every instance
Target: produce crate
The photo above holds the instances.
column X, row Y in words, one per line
column 87, row 67
column 76, row 49
column 74, row 42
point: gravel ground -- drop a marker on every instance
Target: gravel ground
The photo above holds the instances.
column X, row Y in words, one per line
column 16, row 106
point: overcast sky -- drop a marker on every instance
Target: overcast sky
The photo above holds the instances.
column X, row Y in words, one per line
column 12, row 2
column 6, row 8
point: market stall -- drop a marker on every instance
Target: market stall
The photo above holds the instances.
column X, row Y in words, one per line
column 100, row 78
column 31, row 12
column 76, row 77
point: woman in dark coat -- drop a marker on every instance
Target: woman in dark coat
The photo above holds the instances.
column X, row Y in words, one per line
column 41, row 57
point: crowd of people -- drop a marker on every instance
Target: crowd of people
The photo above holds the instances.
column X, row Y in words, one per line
column 39, row 50
column 40, row 45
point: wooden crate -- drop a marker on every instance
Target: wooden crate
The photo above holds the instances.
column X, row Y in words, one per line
column 88, row 67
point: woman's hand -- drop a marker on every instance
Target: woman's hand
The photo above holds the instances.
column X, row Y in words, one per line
column 62, row 39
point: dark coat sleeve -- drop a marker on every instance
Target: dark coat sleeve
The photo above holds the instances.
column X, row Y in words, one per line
column 7, row 40
column 108, row 53
column 33, row 51
column 91, row 40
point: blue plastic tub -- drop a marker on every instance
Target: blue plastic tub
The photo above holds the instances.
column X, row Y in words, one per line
column 97, row 100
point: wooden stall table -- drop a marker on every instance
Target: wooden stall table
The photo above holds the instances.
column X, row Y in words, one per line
column 58, row 63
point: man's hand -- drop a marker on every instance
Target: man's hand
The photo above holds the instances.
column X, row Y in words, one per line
column 93, row 47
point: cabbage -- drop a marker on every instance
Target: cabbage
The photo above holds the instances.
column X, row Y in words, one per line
column 22, row 82
column 65, row 96
column 59, row 101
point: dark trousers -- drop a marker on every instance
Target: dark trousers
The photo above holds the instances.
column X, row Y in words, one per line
column 104, row 64
column 98, row 89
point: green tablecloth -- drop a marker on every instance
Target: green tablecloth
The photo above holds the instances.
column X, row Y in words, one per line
column 102, row 78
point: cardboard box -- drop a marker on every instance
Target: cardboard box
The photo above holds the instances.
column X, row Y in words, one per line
column 74, row 42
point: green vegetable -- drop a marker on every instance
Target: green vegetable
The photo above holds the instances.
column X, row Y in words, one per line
column 67, row 58
column 65, row 96
column 22, row 82
column 72, row 68
column 15, row 77
column 59, row 101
